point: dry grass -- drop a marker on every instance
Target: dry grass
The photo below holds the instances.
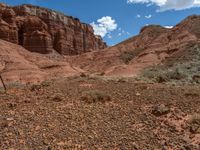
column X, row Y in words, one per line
column 127, row 56
column 95, row 96
column 195, row 119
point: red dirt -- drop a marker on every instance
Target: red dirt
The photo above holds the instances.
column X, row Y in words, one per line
column 22, row 66
column 53, row 116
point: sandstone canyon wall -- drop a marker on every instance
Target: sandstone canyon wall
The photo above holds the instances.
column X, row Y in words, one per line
column 45, row 31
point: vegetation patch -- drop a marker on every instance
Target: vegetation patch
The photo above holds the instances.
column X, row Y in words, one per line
column 184, row 69
column 195, row 123
column 95, row 96
column 183, row 73
column 57, row 98
column 127, row 56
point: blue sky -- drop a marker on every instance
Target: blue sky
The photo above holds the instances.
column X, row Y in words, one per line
column 117, row 20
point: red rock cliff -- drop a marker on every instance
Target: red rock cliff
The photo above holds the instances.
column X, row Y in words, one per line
column 43, row 30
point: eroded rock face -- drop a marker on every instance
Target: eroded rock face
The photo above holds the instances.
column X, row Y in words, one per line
column 43, row 30
column 154, row 45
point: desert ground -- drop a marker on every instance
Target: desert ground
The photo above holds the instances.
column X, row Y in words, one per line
column 65, row 88
column 100, row 113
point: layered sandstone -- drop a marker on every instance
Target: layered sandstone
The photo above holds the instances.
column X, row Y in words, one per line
column 19, row 65
column 43, row 30
column 154, row 45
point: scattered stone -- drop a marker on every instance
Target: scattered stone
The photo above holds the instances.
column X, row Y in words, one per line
column 160, row 110
column 194, row 128
column 10, row 119
column 46, row 142
column 188, row 147
column 61, row 143
column 57, row 98
column 196, row 78
column 137, row 94
column 83, row 75
column 191, row 94
column 12, row 105
column 136, row 146
column 195, row 123
column 35, row 87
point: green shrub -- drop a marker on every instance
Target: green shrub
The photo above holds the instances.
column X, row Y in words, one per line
column 160, row 74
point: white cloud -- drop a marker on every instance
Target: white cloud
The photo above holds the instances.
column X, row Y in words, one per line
column 148, row 16
column 119, row 34
column 158, row 2
column 109, row 36
column 138, row 16
column 169, row 4
column 122, row 32
column 32, row 2
column 168, row 27
column 104, row 26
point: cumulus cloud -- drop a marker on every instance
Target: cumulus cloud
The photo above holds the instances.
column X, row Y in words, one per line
column 104, row 26
column 168, row 4
column 168, row 27
column 148, row 16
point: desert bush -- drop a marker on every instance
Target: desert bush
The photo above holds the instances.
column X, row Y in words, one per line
column 194, row 123
column 121, row 80
column 196, row 78
column 177, row 74
column 83, row 75
column 57, row 98
column 35, row 87
column 161, row 74
column 127, row 56
column 45, row 83
column 161, row 78
column 95, row 96
column 195, row 119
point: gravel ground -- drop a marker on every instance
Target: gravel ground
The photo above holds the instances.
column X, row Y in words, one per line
column 55, row 116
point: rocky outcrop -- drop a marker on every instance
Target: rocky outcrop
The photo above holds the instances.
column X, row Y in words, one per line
column 154, row 45
column 43, row 30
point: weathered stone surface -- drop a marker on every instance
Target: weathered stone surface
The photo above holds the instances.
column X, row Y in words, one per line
column 155, row 45
column 43, row 30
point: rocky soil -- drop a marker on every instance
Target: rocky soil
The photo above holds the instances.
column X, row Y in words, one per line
column 55, row 101
column 120, row 114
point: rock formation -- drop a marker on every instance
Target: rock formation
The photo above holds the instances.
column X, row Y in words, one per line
column 43, row 30
column 154, row 45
